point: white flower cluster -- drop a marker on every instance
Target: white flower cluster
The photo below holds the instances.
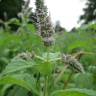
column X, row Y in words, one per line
column 45, row 28
column 73, row 63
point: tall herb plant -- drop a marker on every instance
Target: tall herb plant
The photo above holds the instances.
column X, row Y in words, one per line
column 32, row 74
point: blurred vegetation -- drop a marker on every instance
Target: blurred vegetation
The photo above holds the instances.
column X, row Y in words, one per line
column 89, row 12
column 10, row 8
column 68, row 42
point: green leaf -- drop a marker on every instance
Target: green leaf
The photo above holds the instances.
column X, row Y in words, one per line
column 17, row 91
column 80, row 80
column 74, row 92
column 23, row 80
column 13, row 80
column 51, row 56
column 31, row 27
column 92, row 69
column 17, row 65
column 45, row 62
column 3, row 90
column 45, row 68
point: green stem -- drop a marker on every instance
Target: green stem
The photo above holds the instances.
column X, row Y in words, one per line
column 56, row 59
column 68, row 80
column 40, row 58
column 45, row 87
column 61, row 73
column 46, row 77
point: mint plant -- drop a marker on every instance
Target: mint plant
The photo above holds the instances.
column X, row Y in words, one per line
column 40, row 74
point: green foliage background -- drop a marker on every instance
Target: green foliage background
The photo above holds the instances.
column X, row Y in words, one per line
column 68, row 42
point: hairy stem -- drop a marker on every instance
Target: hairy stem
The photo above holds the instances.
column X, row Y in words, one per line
column 45, row 87
column 61, row 73
column 68, row 80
